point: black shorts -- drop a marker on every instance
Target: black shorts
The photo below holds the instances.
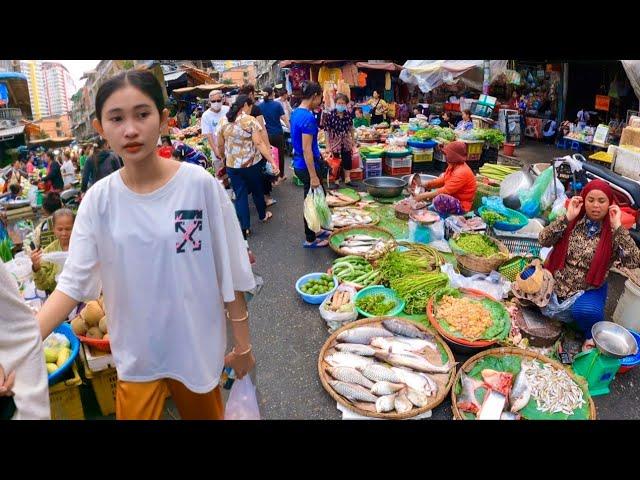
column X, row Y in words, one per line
column 345, row 157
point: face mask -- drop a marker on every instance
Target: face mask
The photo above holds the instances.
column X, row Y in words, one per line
column 216, row 106
column 341, row 108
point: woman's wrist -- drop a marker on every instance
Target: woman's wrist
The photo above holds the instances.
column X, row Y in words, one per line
column 242, row 350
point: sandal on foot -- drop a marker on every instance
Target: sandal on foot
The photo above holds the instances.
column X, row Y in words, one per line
column 268, row 216
column 272, row 202
column 317, row 243
column 324, row 234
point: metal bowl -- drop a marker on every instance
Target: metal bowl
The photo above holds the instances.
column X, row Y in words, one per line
column 614, row 340
column 423, row 176
column 385, row 187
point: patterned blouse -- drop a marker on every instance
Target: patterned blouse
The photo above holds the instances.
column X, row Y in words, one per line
column 381, row 108
column 582, row 247
column 338, row 130
column 239, row 149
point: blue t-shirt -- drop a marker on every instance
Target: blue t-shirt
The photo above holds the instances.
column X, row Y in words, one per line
column 272, row 111
column 303, row 121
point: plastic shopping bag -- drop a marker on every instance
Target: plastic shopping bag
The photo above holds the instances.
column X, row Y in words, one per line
column 322, row 208
column 310, row 213
column 335, row 320
column 242, row 403
column 561, row 311
column 493, row 284
column 495, row 204
column 530, row 200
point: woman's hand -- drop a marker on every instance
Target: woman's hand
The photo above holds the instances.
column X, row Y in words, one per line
column 241, row 364
column 6, row 384
column 36, row 257
column 575, row 205
column 423, row 197
column 615, row 216
column 315, row 181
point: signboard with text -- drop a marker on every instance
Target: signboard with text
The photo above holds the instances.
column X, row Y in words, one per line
column 602, row 102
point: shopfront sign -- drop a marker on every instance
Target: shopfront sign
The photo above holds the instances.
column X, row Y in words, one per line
column 602, row 102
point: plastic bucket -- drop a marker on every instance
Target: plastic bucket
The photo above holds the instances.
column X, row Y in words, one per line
column 626, row 312
column 509, row 149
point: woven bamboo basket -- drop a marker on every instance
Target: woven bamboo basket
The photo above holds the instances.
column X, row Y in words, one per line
column 325, row 377
column 375, row 218
column 366, row 230
column 504, row 351
column 483, row 264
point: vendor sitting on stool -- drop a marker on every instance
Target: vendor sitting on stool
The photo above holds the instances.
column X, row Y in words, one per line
column 456, row 187
column 585, row 247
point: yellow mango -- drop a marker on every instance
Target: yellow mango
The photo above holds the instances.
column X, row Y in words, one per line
column 51, row 367
column 63, row 356
column 51, row 355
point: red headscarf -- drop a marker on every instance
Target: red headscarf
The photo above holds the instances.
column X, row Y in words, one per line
column 600, row 264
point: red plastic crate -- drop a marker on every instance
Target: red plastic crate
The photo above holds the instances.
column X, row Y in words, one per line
column 396, row 171
column 356, row 174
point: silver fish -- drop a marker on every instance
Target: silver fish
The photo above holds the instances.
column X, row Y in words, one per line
column 356, row 348
column 467, row 401
column 355, row 250
column 415, row 362
column 380, row 373
column 350, row 375
column 509, row 416
column 343, row 359
column 352, row 243
column 402, row 403
column 520, row 392
column 353, row 392
column 386, row 388
column 362, row 237
column 404, row 329
column 492, row 406
column 417, row 398
column 401, row 345
column 385, row 404
column 362, row 335
column 433, row 386
column 413, row 380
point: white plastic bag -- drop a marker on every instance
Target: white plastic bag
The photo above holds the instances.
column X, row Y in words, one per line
column 561, row 311
column 436, row 230
column 493, row 284
column 310, row 213
column 336, row 320
column 242, row 403
column 551, row 195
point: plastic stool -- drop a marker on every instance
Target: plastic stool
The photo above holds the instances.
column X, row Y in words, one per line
column 576, row 146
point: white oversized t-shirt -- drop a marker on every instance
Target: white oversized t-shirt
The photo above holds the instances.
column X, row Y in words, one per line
column 210, row 121
column 166, row 262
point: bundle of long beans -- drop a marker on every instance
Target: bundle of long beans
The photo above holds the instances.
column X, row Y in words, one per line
column 417, row 258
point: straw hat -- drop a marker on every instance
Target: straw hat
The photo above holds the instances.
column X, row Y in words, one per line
column 535, row 288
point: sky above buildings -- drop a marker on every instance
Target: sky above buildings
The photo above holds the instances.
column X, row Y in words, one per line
column 77, row 68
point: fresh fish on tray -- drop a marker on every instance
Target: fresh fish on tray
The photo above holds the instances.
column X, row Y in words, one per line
column 492, row 407
column 386, row 388
column 401, row 345
column 362, row 335
column 380, row 373
column 356, row 348
column 520, row 392
column 350, row 375
column 385, row 404
column 415, row 381
column 344, row 359
column 405, row 330
column 353, row 392
column 467, row 401
column 415, row 362
column 402, row 403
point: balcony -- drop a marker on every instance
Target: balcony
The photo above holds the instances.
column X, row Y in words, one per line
column 11, row 114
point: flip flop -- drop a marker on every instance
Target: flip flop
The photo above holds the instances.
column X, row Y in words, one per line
column 316, row 244
column 268, row 216
column 273, row 202
column 324, row 234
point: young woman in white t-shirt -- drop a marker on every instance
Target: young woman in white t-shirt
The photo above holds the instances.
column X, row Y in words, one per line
column 68, row 171
column 161, row 240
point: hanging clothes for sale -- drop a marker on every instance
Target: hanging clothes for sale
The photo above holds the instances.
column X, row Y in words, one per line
column 391, row 111
column 350, row 74
column 297, row 75
column 327, row 74
column 387, row 81
column 343, row 88
column 329, row 94
column 362, row 79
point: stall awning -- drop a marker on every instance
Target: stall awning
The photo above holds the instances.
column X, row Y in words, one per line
column 11, row 132
column 429, row 74
column 288, row 63
column 197, row 75
column 632, row 67
column 389, row 67
column 53, row 142
column 203, row 90
column 173, row 76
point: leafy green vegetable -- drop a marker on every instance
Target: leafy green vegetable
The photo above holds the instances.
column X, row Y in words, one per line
column 474, row 244
column 375, row 304
column 416, row 289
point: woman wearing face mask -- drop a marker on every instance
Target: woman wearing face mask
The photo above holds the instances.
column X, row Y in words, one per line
column 161, row 239
column 585, row 243
column 308, row 163
column 210, row 121
column 240, row 144
column 45, row 273
column 338, row 126
column 456, row 187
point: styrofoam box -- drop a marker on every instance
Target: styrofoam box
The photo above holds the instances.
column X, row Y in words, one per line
column 98, row 360
column 627, row 164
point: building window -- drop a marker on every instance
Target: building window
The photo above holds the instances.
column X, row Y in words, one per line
column 59, row 133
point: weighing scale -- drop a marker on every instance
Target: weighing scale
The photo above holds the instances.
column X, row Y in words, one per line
column 600, row 365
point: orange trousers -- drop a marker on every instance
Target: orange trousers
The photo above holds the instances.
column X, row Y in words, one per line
column 146, row 401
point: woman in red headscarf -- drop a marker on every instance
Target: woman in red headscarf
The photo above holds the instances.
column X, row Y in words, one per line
column 586, row 243
column 456, row 187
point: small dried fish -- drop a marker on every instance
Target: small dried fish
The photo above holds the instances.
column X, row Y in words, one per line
column 553, row 389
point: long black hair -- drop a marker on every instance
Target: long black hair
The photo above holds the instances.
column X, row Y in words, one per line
column 240, row 102
column 143, row 80
column 309, row 89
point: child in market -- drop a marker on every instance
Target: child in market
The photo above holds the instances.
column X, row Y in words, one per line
column 163, row 241
column 360, row 120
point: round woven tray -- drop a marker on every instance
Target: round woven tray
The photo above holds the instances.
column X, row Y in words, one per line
column 366, row 230
column 504, row 351
column 344, row 203
column 483, row 264
column 375, row 219
column 435, row 401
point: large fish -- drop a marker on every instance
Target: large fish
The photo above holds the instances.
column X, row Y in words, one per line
column 350, row 375
column 415, row 362
column 386, row 388
column 356, row 348
column 406, row 330
column 467, row 401
column 385, row 404
column 353, row 392
column 402, row 403
column 520, row 392
column 415, row 381
column 417, row 398
column 509, row 416
column 362, row 335
column 380, row 373
column 343, row 359
column 498, row 381
column 492, row 406
column 401, row 345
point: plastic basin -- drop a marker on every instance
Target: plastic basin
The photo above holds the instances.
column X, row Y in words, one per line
column 388, row 293
column 314, row 299
column 509, row 227
column 58, row 375
column 632, row 361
